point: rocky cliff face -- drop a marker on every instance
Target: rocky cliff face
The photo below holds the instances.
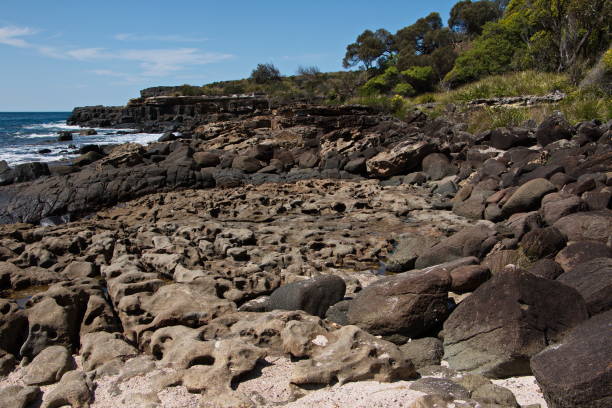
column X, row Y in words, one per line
column 158, row 113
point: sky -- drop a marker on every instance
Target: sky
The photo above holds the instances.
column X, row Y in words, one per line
column 55, row 55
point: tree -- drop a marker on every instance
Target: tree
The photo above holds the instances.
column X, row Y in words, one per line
column 422, row 37
column 468, row 18
column 265, row 73
column 368, row 48
column 308, row 71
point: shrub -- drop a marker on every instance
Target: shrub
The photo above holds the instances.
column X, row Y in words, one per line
column 404, row 89
column 421, row 78
column 265, row 73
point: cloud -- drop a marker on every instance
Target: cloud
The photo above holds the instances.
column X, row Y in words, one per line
column 161, row 38
column 151, row 62
column 11, row 36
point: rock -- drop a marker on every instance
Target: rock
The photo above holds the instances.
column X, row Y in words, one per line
column 7, row 363
column 542, row 242
column 557, row 205
column 546, row 268
column 495, row 395
column 64, row 136
column 87, row 132
column 87, row 158
column 445, row 388
column 410, row 303
column 423, row 352
column 586, row 226
column 437, row 166
column 528, row 196
column 13, row 324
column 576, row 372
column 401, row 159
column 74, row 389
column 579, row 252
column 307, row 160
column 78, row 270
column 498, row 260
column 507, row 320
column 470, row 241
column 246, row 164
column 101, row 348
column 593, row 280
column 338, row 313
column 29, row 171
column 351, row 354
column 407, row 250
column 260, row 304
column 167, row 137
column 16, row 396
column 504, row 138
column 49, row 366
column 468, row 278
column 554, row 128
column 206, row 159
column 313, row 296
column 356, row 166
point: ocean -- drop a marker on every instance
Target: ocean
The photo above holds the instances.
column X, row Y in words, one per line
column 24, row 134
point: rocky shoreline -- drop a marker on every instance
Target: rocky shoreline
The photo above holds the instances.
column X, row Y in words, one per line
column 307, row 255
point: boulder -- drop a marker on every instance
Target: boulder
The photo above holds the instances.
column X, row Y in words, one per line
column 586, row 226
column 313, row 296
column 504, row 138
column 13, row 325
column 579, row 252
column 437, row 166
column 410, row 304
column 406, row 252
column 542, row 243
column 29, row 171
column 468, row 278
column 87, row 158
column 423, row 352
column 401, row 159
column 445, row 388
column 64, row 136
column 16, row 396
column 49, row 366
column 206, row 159
column 470, row 241
column 553, row 128
column 576, row 372
column 593, row 280
column 74, row 389
column 557, row 205
column 507, row 320
column 528, row 196
column 546, row 268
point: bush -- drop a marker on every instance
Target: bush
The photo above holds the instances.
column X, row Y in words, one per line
column 265, row 73
column 404, row 89
column 421, row 78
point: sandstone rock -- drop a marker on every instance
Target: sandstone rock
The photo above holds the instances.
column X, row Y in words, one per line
column 74, row 389
column 13, row 326
column 350, row 354
column 557, row 205
column 7, row 362
column 410, row 303
column 206, row 159
column 101, row 348
column 314, row 296
column 579, row 252
column 49, row 366
column 593, row 280
column 401, row 159
column 507, row 320
column 407, row 250
column 338, row 313
column 576, row 372
column 246, row 164
column 16, row 396
column 495, row 395
column 497, row 261
column 528, row 196
column 445, row 388
column 586, row 226
column 423, row 352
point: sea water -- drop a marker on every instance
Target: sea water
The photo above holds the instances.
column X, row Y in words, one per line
column 24, row 134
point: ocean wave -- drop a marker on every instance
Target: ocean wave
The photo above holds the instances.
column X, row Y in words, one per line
column 52, row 125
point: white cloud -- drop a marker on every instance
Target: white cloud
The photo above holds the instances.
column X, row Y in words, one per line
column 152, row 62
column 161, row 38
column 11, row 36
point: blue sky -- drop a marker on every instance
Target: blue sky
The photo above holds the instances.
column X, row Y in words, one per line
column 55, row 55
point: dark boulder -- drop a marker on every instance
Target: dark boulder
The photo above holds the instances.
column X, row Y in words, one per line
column 586, row 226
column 246, row 164
column 468, row 278
column 206, row 159
column 64, row 136
column 410, row 304
column 557, row 205
column 543, row 242
column 437, row 166
column 313, row 296
column 167, row 137
column 554, row 128
column 30, row 171
column 546, row 268
column 423, row 352
column 579, row 252
column 504, row 138
column 576, row 372
column 87, row 158
column 507, row 320
column 593, row 280
column 528, row 196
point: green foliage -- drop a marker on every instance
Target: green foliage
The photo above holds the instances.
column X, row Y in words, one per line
column 468, row 18
column 404, row 89
column 421, row 78
column 607, row 60
column 368, row 48
column 394, row 105
column 587, row 104
column 265, row 73
column 491, row 53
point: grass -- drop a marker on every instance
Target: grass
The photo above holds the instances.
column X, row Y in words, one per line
column 512, row 84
